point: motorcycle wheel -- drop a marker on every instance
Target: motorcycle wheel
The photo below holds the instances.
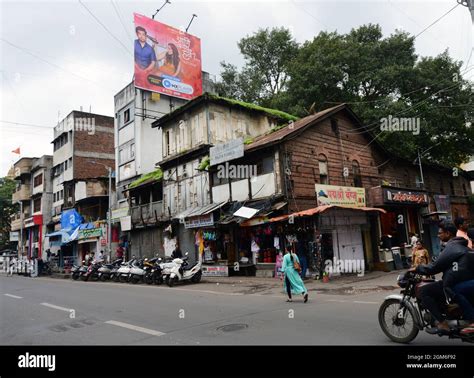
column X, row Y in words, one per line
column 397, row 329
column 148, row 279
column 123, row 278
column 103, row 277
column 197, row 277
column 134, row 279
column 172, row 281
column 158, row 280
column 75, row 277
column 84, row 278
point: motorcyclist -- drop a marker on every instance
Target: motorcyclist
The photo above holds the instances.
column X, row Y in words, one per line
column 464, row 293
column 454, row 263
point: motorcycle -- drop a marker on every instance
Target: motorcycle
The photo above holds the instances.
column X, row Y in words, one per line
column 76, row 271
column 106, row 271
column 137, row 272
column 402, row 316
column 182, row 271
column 92, row 271
column 153, row 271
column 123, row 273
column 83, row 270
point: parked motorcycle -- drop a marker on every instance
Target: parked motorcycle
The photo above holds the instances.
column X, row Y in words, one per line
column 402, row 316
column 106, row 271
column 137, row 272
column 123, row 273
column 183, row 271
column 92, row 271
column 76, row 271
column 153, row 271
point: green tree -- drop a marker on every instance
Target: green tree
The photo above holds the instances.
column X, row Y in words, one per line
column 268, row 55
column 7, row 208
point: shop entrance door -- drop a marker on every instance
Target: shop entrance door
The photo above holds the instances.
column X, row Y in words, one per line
column 348, row 243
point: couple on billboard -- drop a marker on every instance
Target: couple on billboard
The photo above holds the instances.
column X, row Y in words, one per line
column 147, row 60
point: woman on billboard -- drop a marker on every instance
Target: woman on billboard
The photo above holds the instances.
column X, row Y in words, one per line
column 172, row 63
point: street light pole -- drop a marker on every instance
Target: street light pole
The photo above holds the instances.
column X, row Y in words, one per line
column 20, row 250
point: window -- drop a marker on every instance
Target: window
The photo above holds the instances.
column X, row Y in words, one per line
column 37, row 205
column 61, row 193
column 70, row 162
column 38, row 180
column 126, row 153
column 65, row 165
column 323, row 170
column 132, row 150
column 356, row 173
column 167, row 143
column 126, row 116
column 265, row 166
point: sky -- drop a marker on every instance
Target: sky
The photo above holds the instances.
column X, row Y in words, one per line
column 55, row 57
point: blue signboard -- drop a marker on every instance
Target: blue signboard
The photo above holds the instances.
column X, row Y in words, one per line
column 70, row 220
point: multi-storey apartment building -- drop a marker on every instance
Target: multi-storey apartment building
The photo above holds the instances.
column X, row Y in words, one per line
column 34, row 194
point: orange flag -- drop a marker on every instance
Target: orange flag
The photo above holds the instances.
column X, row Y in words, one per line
column 17, row 151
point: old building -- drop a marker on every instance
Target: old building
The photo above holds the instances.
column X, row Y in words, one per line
column 82, row 160
column 34, row 194
column 138, row 148
column 188, row 133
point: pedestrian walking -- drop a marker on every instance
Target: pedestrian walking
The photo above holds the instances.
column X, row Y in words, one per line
column 293, row 283
column 420, row 255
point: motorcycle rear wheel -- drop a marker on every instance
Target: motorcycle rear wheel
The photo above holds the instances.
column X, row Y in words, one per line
column 172, row 281
column 197, row 277
column 407, row 328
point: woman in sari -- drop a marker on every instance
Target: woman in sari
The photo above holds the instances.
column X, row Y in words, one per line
column 293, row 283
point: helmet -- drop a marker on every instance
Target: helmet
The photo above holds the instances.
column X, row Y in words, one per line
column 402, row 280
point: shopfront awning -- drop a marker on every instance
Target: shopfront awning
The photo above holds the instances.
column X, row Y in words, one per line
column 198, row 211
column 321, row 209
column 63, row 236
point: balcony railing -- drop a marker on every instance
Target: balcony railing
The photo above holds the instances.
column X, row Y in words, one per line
column 147, row 213
column 23, row 193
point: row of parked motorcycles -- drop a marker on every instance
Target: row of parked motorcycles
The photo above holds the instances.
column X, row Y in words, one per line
column 149, row 271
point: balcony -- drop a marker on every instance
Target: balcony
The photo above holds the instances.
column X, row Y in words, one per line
column 22, row 194
column 23, row 166
column 15, row 222
column 148, row 213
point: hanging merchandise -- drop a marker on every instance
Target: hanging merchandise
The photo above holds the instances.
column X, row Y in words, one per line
column 276, row 242
column 209, row 235
column 254, row 246
column 291, row 238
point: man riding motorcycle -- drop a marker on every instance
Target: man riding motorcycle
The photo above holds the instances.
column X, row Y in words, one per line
column 454, row 262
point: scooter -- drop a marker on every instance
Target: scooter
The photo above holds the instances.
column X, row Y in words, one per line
column 182, row 271
column 137, row 272
column 123, row 273
column 76, row 271
column 105, row 271
column 82, row 270
column 92, row 271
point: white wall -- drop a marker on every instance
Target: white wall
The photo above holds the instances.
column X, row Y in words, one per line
column 80, row 190
column 263, row 186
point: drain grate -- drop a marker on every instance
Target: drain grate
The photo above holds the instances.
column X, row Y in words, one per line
column 233, row 327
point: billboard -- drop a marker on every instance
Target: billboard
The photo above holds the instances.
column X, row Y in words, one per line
column 167, row 60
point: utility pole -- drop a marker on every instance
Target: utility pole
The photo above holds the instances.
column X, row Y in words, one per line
column 109, row 217
column 421, row 170
column 20, row 250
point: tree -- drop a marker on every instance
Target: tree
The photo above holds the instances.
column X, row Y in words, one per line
column 381, row 77
column 7, row 208
column 268, row 55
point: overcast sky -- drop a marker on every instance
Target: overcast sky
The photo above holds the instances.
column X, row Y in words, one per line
column 64, row 59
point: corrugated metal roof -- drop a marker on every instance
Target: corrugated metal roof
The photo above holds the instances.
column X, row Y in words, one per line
column 200, row 210
column 281, row 134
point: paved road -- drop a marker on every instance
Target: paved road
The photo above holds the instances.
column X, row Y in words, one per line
column 38, row 311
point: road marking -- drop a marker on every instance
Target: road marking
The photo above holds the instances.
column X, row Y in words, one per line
column 336, row 300
column 13, row 296
column 365, row 302
column 56, row 307
column 135, row 328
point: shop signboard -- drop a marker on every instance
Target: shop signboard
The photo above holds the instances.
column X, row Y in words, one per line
column 347, row 196
column 215, row 270
column 14, row 236
column 126, row 223
column 223, row 152
column 90, row 233
column 199, row 221
column 404, row 197
column 119, row 213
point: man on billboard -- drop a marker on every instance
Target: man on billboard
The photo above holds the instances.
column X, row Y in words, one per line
column 145, row 58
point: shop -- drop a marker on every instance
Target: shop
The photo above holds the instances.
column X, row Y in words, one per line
column 91, row 240
column 34, row 233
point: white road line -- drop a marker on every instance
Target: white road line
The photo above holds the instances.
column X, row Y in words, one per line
column 13, row 296
column 365, row 302
column 336, row 300
column 56, row 307
column 135, row 328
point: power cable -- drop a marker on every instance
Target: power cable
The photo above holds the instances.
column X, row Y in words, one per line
column 434, row 22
